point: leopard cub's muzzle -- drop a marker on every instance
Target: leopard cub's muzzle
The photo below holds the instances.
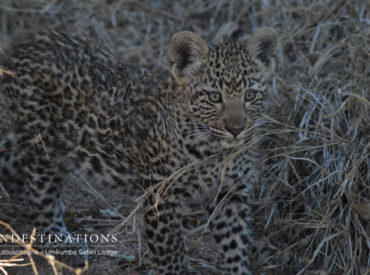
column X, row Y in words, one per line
column 236, row 119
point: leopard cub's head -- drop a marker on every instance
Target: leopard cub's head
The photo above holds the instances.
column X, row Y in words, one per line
column 224, row 85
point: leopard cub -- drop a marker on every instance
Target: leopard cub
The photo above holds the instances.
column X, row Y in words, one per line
column 181, row 139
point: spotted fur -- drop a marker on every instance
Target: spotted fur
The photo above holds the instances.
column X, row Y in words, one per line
column 181, row 138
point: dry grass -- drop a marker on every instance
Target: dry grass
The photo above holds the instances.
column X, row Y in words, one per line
column 18, row 260
column 313, row 204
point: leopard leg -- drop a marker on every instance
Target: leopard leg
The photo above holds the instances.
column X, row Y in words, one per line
column 11, row 173
column 165, row 235
column 43, row 196
column 231, row 227
column 34, row 181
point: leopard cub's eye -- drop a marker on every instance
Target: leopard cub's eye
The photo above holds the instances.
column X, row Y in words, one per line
column 215, row 97
column 250, row 95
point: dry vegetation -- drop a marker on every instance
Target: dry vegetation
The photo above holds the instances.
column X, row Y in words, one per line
column 313, row 204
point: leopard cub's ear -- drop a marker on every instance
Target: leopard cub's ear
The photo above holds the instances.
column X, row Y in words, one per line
column 187, row 52
column 263, row 45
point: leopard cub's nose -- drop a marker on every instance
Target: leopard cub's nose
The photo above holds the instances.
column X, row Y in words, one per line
column 235, row 131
